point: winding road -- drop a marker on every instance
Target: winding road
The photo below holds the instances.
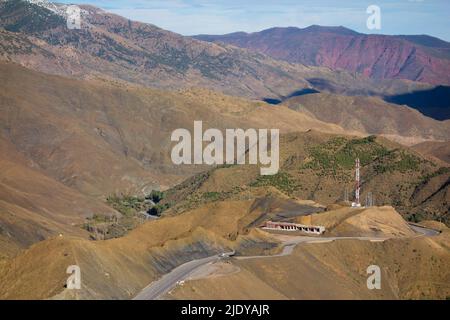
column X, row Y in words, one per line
column 157, row 289
column 160, row 287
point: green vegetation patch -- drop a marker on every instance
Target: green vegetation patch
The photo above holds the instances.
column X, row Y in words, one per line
column 398, row 160
column 340, row 153
column 126, row 205
column 282, row 181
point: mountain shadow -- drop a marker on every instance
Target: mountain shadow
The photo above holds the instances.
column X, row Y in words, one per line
column 297, row 93
column 434, row 103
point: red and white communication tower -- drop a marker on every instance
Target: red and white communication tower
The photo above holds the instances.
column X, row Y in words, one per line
column 357, row 202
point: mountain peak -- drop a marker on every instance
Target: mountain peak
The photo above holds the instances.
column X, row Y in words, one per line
column 30, row 16
column 330, row 29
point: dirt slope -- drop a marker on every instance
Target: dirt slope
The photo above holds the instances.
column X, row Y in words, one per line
column 370, row 222
column 440, row 150
column 34, row 207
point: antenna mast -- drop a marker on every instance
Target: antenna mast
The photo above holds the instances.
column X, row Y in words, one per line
column 357, row 202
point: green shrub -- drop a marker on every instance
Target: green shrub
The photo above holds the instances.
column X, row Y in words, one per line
column 158, row 209
column 156, row 196
column 212, row 196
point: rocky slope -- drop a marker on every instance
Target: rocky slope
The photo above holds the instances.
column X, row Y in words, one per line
column 439, row 150
column 112, row 46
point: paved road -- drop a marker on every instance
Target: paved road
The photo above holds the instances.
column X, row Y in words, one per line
column 159, row 288
column 423, row 230
column 289, row 246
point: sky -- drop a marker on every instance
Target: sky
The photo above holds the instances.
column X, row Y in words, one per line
column 190, row 17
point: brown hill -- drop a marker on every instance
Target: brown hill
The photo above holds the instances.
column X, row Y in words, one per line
column 382, row 222
column 120, row 268
column 439, row 150
column 35, row 207
column 418, row 58
column 371, row 115
column 92, row 138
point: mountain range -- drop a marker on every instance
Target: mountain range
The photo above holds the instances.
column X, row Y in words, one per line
column 418, row 58
column 86, row 178
column 111, row 47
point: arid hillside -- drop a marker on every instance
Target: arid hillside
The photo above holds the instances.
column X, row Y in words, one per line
column 371, row 115
column 344, row 221
column 120, row 268
column 34, row 206
column 96, row 138
column 415, row 268
column 69, row 144
column 439, row 150
column 102, row 138
column 110, row 46
column 87, row 178
column 320, row 167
